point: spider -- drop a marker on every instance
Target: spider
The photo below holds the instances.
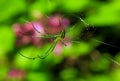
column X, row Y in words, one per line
column 60, row 37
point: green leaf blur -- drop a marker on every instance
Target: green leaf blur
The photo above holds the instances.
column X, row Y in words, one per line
column 84, row 61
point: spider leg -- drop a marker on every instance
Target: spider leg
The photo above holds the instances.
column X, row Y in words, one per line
column 27, row 56
column 106, row 43
column 50, row 50
column 63, row 43
column 33, row 26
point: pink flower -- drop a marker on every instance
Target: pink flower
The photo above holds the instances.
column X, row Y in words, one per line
column 24, row 33
column 57, row 23
column 16, row 74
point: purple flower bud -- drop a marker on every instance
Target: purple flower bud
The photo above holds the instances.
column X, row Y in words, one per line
column 38, row 27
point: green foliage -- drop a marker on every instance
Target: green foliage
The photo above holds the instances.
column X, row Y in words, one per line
column 33, row 76
column 107, row 14
column 74, row 6
column 71, row 74
column 74, row 62
column 10, row 8
column 7, row 38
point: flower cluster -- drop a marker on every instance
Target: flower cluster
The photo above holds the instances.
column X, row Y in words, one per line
column 50, row 25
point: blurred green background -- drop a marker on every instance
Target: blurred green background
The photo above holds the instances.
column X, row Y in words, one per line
column 85, row 61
